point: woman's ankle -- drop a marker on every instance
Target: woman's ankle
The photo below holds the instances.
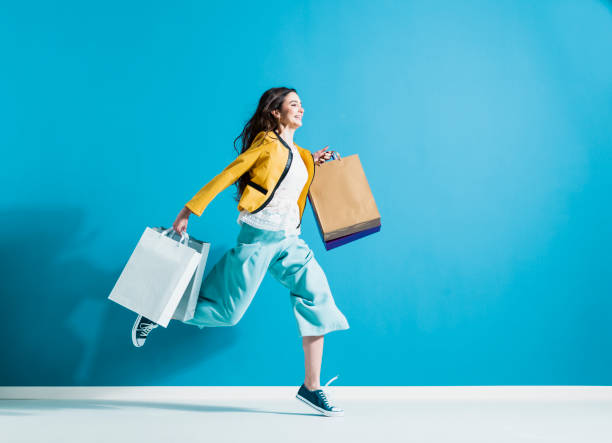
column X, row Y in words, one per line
column 312, row 386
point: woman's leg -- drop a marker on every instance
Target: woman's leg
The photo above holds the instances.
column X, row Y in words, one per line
column 311, row 298
column 231, row 284
column 313, row 355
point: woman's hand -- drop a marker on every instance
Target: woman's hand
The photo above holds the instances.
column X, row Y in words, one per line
column 180, row 224
column 323, row 155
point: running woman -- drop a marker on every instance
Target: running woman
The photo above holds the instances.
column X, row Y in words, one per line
column 273, row 175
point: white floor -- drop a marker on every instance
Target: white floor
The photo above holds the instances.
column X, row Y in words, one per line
column 273, row 414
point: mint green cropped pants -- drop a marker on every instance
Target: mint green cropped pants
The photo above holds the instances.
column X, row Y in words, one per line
column 229, row 288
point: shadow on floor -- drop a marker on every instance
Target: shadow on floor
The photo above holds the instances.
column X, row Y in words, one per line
column 17, row 407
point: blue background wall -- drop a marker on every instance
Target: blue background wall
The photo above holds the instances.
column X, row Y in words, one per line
column 484, row 129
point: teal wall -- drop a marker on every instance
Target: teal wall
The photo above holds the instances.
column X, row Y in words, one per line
column 484, row 129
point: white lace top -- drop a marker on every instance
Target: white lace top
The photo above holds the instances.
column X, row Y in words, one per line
column 282, row 212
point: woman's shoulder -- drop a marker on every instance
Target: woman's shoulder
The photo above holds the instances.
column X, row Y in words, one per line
column 264, row 138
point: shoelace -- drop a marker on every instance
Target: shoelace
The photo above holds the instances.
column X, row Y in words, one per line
column 325, row 395
column 145, row 328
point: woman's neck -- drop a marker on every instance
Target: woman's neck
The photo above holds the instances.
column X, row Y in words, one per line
column 287, row 134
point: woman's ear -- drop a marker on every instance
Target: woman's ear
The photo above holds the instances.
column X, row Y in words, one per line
column 275, row 113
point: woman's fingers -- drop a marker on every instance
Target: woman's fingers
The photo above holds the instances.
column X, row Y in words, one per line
column 324, row 156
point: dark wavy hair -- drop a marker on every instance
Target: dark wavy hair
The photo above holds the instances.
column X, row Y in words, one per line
column 262, row 120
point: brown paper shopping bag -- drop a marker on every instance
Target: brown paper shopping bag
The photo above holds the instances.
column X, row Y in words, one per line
column 343, row 202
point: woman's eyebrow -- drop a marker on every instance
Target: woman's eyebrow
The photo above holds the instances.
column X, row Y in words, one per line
column 294, row 101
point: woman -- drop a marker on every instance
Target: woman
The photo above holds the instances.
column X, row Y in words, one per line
column 273, row 176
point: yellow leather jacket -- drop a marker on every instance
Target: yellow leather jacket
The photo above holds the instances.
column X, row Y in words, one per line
column 267, row 162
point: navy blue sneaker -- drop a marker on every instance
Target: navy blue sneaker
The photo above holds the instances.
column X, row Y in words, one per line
column 318, row 400
column 141, row 329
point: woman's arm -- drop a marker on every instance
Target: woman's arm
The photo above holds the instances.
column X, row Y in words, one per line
column 228, row 176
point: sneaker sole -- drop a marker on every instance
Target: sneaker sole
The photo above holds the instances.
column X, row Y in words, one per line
column 321, row 410
column 134, row 342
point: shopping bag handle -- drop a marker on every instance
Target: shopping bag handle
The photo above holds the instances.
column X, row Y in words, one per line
column 184, row 235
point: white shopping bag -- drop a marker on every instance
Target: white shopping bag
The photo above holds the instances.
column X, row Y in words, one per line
column 187, row 304
column 156, row 275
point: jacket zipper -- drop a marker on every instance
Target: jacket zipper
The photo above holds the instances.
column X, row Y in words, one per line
column 289, row 159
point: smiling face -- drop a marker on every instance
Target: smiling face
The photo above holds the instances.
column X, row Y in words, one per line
column 291, row 112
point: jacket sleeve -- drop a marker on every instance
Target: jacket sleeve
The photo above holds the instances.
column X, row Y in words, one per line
column 228, row 176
